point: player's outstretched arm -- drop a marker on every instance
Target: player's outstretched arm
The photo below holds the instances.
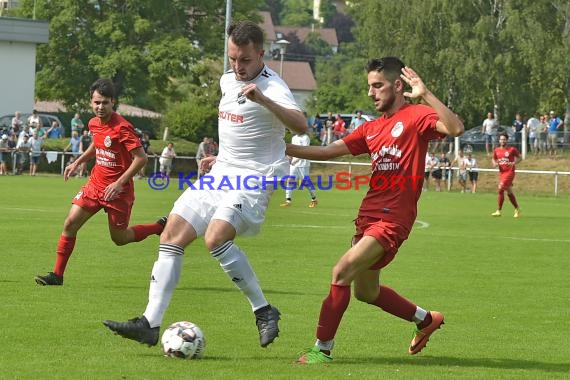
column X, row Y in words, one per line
column 448, row 123
column 336, row 149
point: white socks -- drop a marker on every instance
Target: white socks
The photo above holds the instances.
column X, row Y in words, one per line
column 163, row 281
column 234, row 262
column 420, row 315
column 325, row 345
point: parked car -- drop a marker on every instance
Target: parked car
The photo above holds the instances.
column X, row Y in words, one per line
column 475, row 138
column 47, row 119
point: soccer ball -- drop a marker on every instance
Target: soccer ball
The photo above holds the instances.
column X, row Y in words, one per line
column 183, row 340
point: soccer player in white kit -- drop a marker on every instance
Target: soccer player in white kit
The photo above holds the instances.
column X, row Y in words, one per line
column 299, row 170
column 255, row 108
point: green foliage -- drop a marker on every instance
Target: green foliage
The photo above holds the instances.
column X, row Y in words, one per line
column 297, row 13
column 142, row 45
column 474, row 55
column 190, row 120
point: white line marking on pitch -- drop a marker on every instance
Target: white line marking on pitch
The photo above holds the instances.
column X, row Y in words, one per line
column 25, row 209
column 421, row 223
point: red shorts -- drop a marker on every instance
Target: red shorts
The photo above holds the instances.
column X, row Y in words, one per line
column 389, row 235
column 118, row 210
column 506, row 180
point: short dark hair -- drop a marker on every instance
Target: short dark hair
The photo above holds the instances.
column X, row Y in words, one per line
column 244, row 32
column 504, row 134
column 391, row 66
column 104, row 87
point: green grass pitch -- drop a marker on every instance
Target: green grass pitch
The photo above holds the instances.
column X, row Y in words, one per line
column 502, row 284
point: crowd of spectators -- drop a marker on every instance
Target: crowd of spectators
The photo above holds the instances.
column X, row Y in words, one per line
column 22, row 143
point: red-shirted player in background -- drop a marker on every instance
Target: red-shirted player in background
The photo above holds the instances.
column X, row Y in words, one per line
column 397, row 143
column 506, row 157
column 118, row 157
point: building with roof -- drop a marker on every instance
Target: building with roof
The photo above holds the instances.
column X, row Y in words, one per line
column 298, row 75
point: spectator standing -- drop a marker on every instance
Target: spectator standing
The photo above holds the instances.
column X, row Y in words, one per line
column 250, row 145
column 356, row 122
column 145, row 142
column 84, row 144
column 473, row 172
column 166, row 158
column 329, row 123
column 489, row 128
column 317, row 127
column 204, row 150
column 430, row 164
column 339, row 127
column 532, row 132
column 22, row 154
column 55, row 131
column 461, row 163
column 299, row 169
column 542, row 134
column 74, row 144
column 34, row 122
column 518, row 126
column 4, row 152
column 17, row 124
column 506, row 157
column 554, row 124
column 118, row 158
column 397, row 143
column 444, row 165
column 77, row 124
column 36, row 146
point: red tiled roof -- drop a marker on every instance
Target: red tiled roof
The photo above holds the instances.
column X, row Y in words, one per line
column 297, row 75
column 267, row 26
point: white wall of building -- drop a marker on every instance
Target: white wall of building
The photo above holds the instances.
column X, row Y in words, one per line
column 18, row 68
column 18, row 41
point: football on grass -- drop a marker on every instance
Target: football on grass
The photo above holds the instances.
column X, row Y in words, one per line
column 183, row 340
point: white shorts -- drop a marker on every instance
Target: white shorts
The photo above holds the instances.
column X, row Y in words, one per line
column 299, row 172
column 243, row 208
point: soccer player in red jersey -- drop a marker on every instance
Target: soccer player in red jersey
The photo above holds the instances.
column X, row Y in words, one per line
column 119, row 156
column 506, row 157
column 397, row 143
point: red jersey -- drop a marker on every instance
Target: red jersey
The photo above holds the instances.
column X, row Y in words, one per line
column 113, row 142
column 397, row 146
column 506, row 158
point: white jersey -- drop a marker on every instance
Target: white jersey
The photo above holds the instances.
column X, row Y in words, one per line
column 301, row 140
column 251, row 136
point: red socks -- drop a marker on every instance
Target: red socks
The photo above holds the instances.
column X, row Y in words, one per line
column 64, row 249
column 142, row 231
column 513, row 200
column 501, row 199
column 393, row 303
column 332, row 310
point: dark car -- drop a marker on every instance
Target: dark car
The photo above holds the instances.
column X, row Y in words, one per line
column 473, row 139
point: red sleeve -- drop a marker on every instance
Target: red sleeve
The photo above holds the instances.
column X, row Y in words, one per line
column 129, row 138
column 427, row 120
column 356, row 141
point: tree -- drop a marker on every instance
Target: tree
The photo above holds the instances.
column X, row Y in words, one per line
column 141, row 45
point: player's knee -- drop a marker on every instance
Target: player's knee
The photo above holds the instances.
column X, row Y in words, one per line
column 213, row 241
column 364, row 295
column 119, row 240
column 70, row 225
